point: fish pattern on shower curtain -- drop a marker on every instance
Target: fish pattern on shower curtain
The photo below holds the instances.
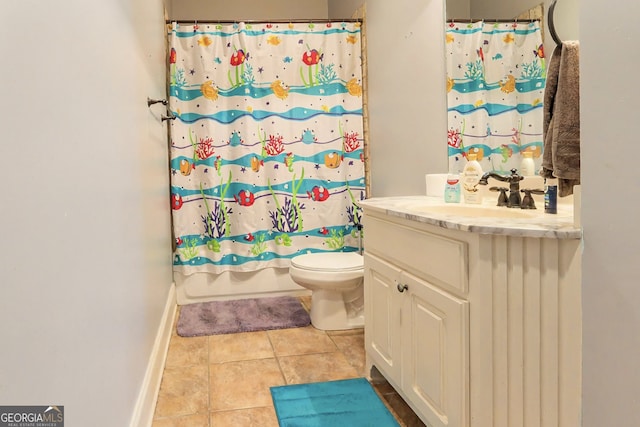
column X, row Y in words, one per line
column 496, row 77
column 267, row 146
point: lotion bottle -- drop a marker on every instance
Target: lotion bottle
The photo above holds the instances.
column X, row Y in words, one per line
column 452, row 189
column 471, row 175
column 527, row 166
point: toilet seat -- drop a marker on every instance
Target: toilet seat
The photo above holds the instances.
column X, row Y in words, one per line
column 329, row 262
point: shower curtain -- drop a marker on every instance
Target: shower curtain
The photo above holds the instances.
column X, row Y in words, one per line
column 495, row 90
column 267, row 144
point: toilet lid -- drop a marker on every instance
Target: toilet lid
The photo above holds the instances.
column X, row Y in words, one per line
column 329, row 261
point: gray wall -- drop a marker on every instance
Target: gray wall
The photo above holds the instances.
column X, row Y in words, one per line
column 407, row 98
column 500, row 8
column 407, row 95
column 85, row 269
column 342, row 9
column 611, row 271
column 458, row 9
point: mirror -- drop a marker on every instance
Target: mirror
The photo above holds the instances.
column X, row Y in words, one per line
column 492, row 9
column 565, row 14
column 495, row 87
column 465, row 102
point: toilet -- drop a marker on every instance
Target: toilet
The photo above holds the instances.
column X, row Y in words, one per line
column 335, row 280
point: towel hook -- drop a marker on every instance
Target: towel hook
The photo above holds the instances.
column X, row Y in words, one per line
column 552, row 28
column 169, row 117
column 150, row 101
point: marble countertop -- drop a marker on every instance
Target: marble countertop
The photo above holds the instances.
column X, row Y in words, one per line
column 484, row 219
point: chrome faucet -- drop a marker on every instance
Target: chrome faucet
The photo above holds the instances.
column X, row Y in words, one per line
column 514, row 200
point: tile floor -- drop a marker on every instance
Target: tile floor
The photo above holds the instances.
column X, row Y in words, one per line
column 224, row 380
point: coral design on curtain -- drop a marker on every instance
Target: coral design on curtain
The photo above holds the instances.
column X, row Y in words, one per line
column 495, row 89
column 267, row 147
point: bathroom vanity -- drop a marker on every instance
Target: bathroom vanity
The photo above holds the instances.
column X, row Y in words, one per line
column 472, row 313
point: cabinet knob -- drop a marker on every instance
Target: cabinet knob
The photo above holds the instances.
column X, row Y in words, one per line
column 402, row 288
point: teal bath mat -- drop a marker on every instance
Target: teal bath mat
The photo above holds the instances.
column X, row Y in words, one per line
column 351, row 403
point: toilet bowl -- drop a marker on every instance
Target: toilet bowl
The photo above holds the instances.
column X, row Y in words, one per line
column 335, row 281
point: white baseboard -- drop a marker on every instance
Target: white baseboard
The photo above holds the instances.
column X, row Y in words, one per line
column 146, row 403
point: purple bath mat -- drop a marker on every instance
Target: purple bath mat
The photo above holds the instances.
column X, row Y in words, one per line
column 243, row 315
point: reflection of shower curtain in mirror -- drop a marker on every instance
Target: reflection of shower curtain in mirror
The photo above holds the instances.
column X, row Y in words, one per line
column 266, row 149
column 495, row 89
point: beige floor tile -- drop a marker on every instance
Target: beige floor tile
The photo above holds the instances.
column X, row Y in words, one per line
column 296, row 341
column 175, row 322
column 236, row 347
column 183, row 391
column 197, row 420
column 312, row 368
column 357, row 331
column 306, row 302
column 245, row 384
column 187, row 351
column 230, row 375
column 352, row 346
column 252, row 417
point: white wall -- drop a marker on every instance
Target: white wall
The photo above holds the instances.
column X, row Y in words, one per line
column 85, row 265
column 247, row 10
column 611, row 271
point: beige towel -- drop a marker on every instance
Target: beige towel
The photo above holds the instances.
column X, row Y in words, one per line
column 561, row 127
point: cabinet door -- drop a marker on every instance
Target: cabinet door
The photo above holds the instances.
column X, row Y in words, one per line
column 382, row 316
column 435, row 356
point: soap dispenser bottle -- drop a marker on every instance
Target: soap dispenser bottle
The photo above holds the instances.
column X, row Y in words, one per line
column 471, row 175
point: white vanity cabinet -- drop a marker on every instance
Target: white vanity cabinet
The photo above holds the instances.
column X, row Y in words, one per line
column 417, row 331
column 476, row 329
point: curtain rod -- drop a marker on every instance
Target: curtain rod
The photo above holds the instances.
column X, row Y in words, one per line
column 261, row 21
column 506, row 21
